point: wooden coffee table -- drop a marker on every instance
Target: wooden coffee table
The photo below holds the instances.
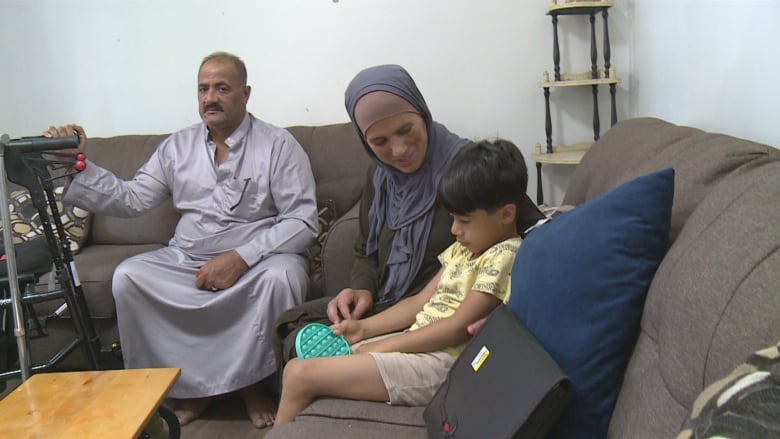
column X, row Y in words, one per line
column 107, row 403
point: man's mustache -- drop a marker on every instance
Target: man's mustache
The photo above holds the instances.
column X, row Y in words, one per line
column 213, row 107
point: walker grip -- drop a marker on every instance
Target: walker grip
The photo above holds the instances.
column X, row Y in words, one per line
column 42, row 144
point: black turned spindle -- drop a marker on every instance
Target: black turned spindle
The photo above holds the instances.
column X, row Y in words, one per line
column 612, row 97
column 539, row 192
column 593, row 52
column 556, row 50
column 596, row 124
column 607, row 51
column 548, row 120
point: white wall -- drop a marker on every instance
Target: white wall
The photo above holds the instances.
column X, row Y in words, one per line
column 130, row 66
column 709, row 64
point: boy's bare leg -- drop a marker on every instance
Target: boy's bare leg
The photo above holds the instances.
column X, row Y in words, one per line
column 352, row 376
column 187, row 410
column 260, row 406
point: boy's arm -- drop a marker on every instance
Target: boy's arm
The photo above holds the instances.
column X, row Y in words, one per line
column 446, row 332
column 397, row 317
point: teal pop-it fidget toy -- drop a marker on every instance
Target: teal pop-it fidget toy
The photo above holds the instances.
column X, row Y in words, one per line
column 317, row 340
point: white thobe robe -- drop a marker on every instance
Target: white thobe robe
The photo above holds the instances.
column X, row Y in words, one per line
column 259, row 202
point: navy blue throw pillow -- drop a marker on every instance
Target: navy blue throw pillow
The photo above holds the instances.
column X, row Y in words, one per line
column 579, row 284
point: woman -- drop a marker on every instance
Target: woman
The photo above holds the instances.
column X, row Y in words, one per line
column 402, row 230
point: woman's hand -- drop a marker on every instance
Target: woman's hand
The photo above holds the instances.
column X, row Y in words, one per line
column 349, row 304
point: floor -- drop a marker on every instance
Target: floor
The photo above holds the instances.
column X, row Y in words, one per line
column 225, row 419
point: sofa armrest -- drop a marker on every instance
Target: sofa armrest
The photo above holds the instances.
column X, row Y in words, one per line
column 338, row 254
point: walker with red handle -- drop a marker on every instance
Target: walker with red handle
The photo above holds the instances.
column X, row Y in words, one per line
column 22, row 162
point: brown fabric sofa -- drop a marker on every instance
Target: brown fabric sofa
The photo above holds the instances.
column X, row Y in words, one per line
column 339, row 164
column 714, row 300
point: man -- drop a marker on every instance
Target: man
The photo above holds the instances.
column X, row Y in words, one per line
column 207, row 302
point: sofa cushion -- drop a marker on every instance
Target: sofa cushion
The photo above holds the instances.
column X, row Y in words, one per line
column 346, row 419
column 96, row 264
column 338, row 252
column 26, row 223
column 338, row 162
column 742, row 404
column 579, row 283
column 326, row 215
column 713, row 301
column 635, row 147
column 124, row 155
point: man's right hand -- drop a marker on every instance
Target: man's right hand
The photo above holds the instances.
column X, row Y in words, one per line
column 68, row 130
column 349, row 304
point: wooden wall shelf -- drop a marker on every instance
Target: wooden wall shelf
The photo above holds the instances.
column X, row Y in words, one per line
column 577, row 7
column 580, row 79
column 595, row 77
column 562, row 155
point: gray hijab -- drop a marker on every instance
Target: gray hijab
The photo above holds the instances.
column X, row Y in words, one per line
column 404, row 202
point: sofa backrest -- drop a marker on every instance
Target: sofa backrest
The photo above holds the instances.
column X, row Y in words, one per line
column 636, row 147
column 714, row 299
column 124, row 155
column 338, row 161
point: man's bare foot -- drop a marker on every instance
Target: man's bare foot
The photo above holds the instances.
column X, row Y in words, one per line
column 260, row 407
column 187, row 410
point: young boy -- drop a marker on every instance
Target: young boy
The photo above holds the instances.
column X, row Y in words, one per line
column 484, row 191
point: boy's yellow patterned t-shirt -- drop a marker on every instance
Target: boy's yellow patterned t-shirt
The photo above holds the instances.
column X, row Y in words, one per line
column 488, row 273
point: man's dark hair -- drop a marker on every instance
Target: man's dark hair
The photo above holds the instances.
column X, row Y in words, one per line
column 225, row 56
column 484, row 175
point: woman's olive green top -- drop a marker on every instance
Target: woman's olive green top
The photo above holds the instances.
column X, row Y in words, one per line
column 370, row 272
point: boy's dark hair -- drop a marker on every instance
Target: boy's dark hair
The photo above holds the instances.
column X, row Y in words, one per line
column 484, row 175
